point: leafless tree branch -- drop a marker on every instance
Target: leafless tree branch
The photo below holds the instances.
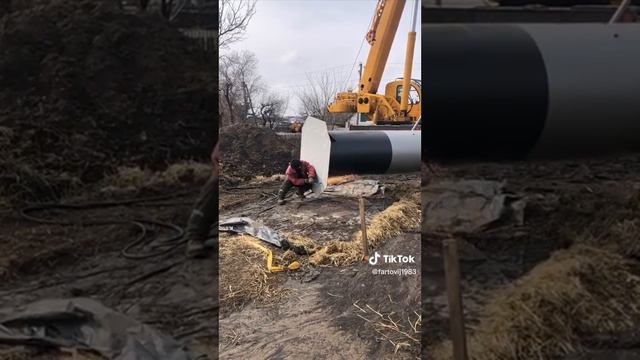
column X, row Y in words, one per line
column 233, row 19
column 314, row 98
column 240, row 85
column 272, row 109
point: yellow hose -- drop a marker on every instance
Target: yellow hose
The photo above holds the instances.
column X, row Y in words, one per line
column 273, row 268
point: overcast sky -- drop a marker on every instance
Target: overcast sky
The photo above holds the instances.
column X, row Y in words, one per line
column 294, row 37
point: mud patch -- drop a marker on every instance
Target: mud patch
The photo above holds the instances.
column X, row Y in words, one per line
column 384, row 308
column 301, row 325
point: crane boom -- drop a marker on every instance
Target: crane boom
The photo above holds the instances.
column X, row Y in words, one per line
column 380, row 36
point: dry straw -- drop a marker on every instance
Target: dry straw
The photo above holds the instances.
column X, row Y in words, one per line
column 577, row 293
column 302, row 245
column 181, row 172
column 244, row 277
column 398, row 331
column 623, row 238
column 403, row 215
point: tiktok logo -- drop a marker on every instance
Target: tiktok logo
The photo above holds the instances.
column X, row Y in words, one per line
column 374, row 259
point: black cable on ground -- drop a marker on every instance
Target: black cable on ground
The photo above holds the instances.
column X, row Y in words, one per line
column 171, row 243
column 155, row 271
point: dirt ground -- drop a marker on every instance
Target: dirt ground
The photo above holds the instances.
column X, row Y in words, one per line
column 565, row 200
column 243, row 155
column 96, row 108
column 87, row 89
column 166, row 291
column 326, row 312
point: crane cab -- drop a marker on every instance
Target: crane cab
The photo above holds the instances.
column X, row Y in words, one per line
column 393, row 92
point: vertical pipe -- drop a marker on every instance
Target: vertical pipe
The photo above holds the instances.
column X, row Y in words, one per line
column 408, row 61
column 359, row 120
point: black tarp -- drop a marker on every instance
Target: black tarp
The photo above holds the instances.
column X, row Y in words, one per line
column 86, row 324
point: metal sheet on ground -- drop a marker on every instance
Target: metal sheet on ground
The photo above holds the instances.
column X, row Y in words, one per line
column 83, row 323
column 356, row 188
column 469, row 206
column 244, row 225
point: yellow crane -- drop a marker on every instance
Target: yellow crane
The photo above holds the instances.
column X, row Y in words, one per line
column 394, row 106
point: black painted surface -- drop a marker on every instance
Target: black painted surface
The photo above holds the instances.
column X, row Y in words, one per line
column 494, row 14
column 485, row 93
column 359, row 152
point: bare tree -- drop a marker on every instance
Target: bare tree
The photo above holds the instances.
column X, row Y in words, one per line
column 233, row 19
column 314, row 98
column 246, row 74
column 240, row 86
column 229, row 92
column 272, row 109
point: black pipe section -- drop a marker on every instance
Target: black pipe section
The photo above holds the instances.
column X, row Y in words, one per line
column 359, row 152
column 525, row 91
column 485, row 94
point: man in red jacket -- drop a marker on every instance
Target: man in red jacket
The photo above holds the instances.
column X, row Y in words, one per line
column 300, row 174
column 204, row 215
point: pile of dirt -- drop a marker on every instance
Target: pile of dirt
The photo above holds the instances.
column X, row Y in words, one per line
column 87, row 89
column 248, row 151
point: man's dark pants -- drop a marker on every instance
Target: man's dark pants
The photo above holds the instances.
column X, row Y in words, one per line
column 287, row 185
column 205, row 212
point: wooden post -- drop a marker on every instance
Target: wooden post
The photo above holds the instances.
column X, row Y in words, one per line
column 456, row 314
column 363, row 227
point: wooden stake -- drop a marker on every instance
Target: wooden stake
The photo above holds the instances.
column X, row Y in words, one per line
column 456, row 314
column 363, row 227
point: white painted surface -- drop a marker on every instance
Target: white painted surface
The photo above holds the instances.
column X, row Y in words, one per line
column 406, row 151
column 594, row 86
column 315, row 147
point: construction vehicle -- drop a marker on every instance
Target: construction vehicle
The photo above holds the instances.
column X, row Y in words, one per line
column 295, row 127
column 394, row 106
